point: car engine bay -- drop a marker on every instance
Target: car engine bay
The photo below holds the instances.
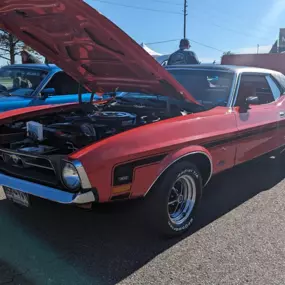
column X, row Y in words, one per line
column 65, row 132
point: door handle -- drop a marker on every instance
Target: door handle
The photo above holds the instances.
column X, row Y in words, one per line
column 281, row 114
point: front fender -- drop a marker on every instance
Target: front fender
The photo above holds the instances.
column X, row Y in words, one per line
column 177, row 155
column 181, row 153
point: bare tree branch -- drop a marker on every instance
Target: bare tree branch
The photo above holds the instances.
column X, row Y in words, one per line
column 4, row 57
column 4, row 49
column 12, row 46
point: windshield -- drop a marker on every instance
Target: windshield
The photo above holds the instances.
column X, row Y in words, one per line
column 20, row 81
column 209, row 87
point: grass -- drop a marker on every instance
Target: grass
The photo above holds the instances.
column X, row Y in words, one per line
column 7, row 82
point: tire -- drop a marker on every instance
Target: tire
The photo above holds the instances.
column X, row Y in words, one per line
column 181, row 183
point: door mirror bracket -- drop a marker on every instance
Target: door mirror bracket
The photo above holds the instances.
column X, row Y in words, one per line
column 47, row 92
column 251, row 100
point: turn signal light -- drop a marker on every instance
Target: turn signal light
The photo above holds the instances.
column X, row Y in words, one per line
column 121, row 189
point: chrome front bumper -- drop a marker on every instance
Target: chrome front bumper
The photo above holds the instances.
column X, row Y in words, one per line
column 46, row 192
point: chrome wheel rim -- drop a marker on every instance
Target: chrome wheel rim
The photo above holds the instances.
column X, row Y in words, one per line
column 181, row 199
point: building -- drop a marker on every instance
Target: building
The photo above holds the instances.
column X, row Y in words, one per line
column 279, row 45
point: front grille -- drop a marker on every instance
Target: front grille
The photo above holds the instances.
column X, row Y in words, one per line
column 33, row 168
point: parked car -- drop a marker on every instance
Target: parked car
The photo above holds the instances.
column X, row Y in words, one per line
column 23, row 85
column 163, row 59
column 162, row 139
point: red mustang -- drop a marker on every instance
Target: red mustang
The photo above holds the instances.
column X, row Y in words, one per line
column 163, row 138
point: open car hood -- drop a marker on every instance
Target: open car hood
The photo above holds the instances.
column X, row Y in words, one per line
column 88, row 47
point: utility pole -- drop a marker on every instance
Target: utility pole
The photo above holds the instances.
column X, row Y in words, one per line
column 257, row 48
column 185, row 17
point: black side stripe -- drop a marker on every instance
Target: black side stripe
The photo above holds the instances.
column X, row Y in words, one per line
column 240, row 136
column 123, row 174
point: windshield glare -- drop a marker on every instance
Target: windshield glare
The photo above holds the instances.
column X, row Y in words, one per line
column 210, row 88
column 20, row 82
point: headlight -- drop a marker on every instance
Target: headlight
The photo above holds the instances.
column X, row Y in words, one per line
column 70, row 176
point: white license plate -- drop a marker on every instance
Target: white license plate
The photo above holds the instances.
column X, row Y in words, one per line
column 17, row 196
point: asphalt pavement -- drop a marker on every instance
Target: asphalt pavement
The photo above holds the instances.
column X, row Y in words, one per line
column 237, row 238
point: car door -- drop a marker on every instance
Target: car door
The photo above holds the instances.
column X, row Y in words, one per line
column 257, row 123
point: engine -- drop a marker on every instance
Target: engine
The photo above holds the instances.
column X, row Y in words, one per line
column 67, row 132
column 64, row 132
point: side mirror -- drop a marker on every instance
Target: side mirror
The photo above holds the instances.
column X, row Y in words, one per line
column 47, row 92
column 251, row 100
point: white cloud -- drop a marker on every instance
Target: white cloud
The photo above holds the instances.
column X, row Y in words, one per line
column 262, row 49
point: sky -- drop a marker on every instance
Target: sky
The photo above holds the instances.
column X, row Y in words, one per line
column 224, row 25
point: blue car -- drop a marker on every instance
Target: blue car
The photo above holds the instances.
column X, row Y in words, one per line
column 23, row 85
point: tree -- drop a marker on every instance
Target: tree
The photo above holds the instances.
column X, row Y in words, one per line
column 11, row 46
column 228, row 53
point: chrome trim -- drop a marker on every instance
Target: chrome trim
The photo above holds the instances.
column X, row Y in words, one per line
column 188, row 154
column 221, row 67
column 85, row 182
column 83, row 198
column 22, row 153
column 39, row 166
column 184, row 194
column 45, row 192
column 233, row 90
column 249, row 71
column 201, row 69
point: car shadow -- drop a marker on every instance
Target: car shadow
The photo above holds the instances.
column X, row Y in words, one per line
column 112, row 242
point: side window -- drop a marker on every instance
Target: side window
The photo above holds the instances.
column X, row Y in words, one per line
column 64, row 84
column 274, row 88
column 254, row 85
column 281, row 80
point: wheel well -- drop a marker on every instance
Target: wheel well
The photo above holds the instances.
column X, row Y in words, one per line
column 202, row 162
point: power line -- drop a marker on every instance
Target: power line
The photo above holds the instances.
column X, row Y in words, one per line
column 162, row 42
column 231, row 15
column 176, row 13
column 191, row 40
column 201, row 44
column 138, row 8
column 235, row 31
column 228, row 28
